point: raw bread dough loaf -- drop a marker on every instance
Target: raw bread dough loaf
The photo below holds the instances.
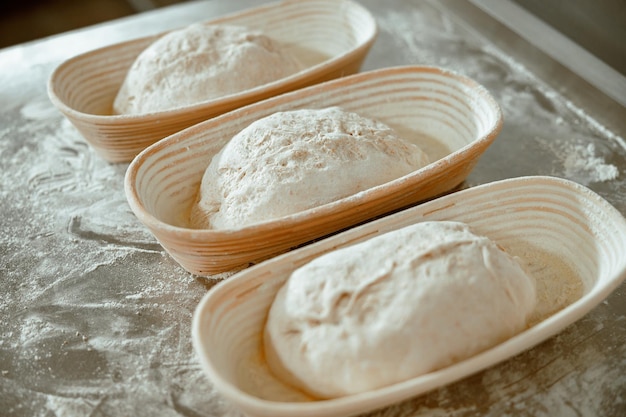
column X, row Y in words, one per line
column 292, row 161
column 395, row 307
column 198, row 63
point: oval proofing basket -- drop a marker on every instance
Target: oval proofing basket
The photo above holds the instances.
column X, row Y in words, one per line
column 556, row 225
column 451, row 117
column 331, row 37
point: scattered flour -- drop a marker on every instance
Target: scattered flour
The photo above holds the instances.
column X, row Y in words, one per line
column 96, row 309
column 136, row 358
column 582, row 165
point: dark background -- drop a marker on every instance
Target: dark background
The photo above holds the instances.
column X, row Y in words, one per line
column 25, row 20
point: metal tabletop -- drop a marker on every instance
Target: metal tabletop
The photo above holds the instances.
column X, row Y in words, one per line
column 95, row 317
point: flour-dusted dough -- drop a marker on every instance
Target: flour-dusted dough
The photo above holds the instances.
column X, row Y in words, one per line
column 292, row 161
column 201, row 62
column 394, row 307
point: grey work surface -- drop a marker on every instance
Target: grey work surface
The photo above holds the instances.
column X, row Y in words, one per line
column 95, row 317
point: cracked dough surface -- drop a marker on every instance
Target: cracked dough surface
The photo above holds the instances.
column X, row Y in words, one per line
column 394, row 307
column 295, row 160
column 198, row 63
